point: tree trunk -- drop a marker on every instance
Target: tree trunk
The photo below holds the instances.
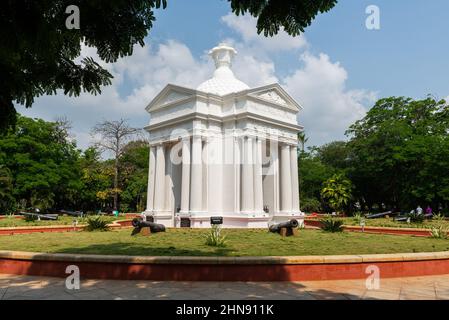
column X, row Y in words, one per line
column 116, row 184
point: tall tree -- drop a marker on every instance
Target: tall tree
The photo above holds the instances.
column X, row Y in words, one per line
column 334, row 154
column 7, row 201
column 399, row 151
column 302, row 138
column 134, row 167
column 38, row 51
column 97, row 178
column 41, row 167
column 113, row 137
column 40, row 55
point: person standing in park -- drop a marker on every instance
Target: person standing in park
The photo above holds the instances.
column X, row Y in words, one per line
column 419, row 210
column 429, row 210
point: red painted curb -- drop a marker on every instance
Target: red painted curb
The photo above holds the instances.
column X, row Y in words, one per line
column 217, row 272
column 56, row 228
column 15, row 217
column 13, row 231
column 377, row 230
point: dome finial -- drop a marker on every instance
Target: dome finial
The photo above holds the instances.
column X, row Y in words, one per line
column 223, row 55
column 223, row 81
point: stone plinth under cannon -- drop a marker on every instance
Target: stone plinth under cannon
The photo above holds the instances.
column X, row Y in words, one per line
column 146, row 227
column 285, row 229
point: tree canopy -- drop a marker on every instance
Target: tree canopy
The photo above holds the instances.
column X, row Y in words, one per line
column 39, row 55
column 397, row 158
column 293, row 15
column 40, row 166
column 399, row 153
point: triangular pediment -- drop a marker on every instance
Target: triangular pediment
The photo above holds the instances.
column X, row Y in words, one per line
column 170, row 95
column 274, row 94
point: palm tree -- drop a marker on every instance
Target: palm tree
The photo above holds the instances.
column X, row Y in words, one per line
column 302, row 139
column 337, row 191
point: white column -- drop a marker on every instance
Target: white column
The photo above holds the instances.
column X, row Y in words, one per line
column 159, row 192
column 258, row 186
column 294, row 174
column 238, row 146
column 185, row 182
column 274, row 170
column 196, row 182
column 248, row 176
column 286, row 180
column 151, row 176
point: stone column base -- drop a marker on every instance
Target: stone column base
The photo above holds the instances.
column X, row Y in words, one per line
column 232, row 221
column 164, row 217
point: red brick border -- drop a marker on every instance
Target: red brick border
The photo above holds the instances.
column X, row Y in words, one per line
column 378, row 230
column 57, row 228
column 225, row 269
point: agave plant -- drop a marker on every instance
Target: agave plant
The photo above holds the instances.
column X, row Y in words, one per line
column 332, row 225
column 439, row 217
column 96, row 224
column 439, row 232
column 214, row 238
column 358, row 216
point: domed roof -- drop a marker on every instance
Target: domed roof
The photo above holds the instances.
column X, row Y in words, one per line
column 223, row 80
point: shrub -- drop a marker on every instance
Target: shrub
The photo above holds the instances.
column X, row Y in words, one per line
column 310, row 205
column 214, row 237
column 332, row 225
column 439, row 232
column 358, row 217
column 30, row 218
column 439, row 217
column 96, row 224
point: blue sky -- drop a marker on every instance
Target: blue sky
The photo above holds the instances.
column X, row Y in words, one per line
column 409, row 55
column 336, row 70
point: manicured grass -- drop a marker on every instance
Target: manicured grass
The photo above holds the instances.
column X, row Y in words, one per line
column 62, row 220
column 190, row 242
column 383, row 222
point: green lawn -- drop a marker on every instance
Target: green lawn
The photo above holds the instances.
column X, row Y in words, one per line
column 190, row 242
column 62, row 220
column 383, row 222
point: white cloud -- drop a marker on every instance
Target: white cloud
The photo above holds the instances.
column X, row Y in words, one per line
column 148, row 69
column 245, row 26
column 316, row 82
column 329, row 108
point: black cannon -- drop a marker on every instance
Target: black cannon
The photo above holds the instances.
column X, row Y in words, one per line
column 39, row 216
column 379, row 215
column 72, row 213
column 288, row 226
column 138, row 224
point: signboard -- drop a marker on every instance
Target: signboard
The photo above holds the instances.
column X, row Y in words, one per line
column 185, row 223
column 216, row 220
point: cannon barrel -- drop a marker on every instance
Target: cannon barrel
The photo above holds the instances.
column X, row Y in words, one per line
column 288, row 224
column 154, row 227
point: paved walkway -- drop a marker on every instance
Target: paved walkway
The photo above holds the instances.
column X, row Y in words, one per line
column 27, row 287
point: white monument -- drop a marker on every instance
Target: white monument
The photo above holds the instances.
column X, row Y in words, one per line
column 223, row 149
